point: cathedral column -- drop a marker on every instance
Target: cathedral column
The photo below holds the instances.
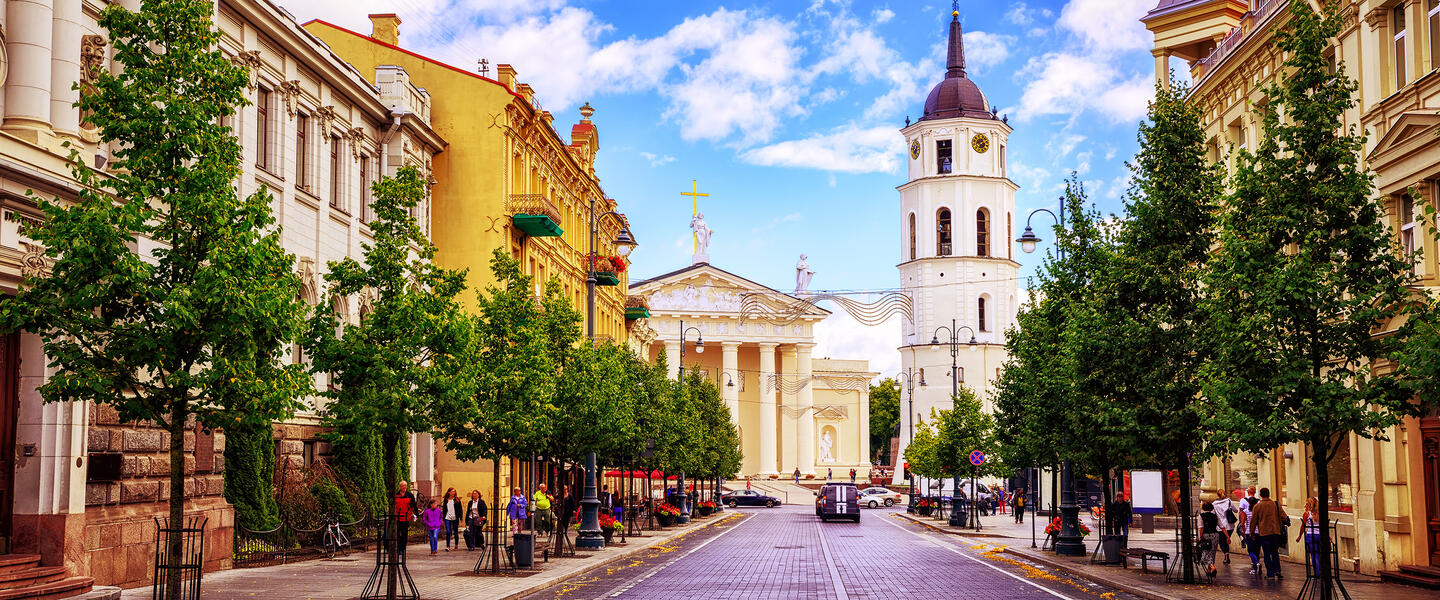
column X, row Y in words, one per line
column 65, row 69
column 805, row 417
column 767, row 410
column 729, row 388
column 789, row 413
column 672, row 358
column 28, row 32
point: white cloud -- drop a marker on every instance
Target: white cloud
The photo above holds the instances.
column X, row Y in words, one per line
column 882, row 15
column 841, row 337
column 848, row 150
column 1108, row 24
column 1067, row 84
column 657, row 160
column 1062, row 143
column 1082, row 160
column 984, row 49
column 1020, row 14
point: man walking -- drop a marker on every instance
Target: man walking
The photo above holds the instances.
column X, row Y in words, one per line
column 852, row 475
column 1017, row 501
column 1269, row 518
column 544, row 517
column 1225, row 515
column 404, row 509
column 1247, row 529
column 797, row 475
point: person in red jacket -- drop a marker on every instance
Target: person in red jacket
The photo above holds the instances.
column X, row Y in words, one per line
column 404, row 509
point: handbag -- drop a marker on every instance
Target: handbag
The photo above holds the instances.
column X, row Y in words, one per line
column 1206, row 543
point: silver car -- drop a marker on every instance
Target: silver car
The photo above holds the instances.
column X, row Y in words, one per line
column 875, row 497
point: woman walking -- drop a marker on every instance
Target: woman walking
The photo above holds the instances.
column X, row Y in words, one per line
column 516, row 511
column 1310, row 531
column 452, row 511
column 475, row 517
column 1209, row 537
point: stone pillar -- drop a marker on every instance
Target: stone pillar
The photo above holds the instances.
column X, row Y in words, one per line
column 49, row 508
column 767, row 410
column 29, row 31
column 1162, row 66
column 672, row 358
column 422, row 461
column 789, row 413
column 65, row 70
column 863, row 448
column 729, row 364
column 805, row 418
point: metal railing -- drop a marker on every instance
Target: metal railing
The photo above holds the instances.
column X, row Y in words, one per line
column 1248, row 25
column 532, row 204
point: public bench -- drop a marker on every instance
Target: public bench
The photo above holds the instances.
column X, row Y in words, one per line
column 1145, row 556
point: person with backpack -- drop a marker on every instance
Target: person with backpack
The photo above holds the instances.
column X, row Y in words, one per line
column 1018, row 502
column 1226, row 517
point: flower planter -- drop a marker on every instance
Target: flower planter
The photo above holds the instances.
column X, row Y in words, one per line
column 705, row 511
column 606, row 278
column 609, row 534
column 638, row 312
column 923, row 510
column 665, row 520
column 537, row 225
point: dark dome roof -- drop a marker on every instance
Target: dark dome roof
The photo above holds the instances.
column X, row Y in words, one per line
column 956, row 95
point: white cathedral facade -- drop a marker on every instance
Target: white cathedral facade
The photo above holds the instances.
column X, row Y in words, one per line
column 957, row 256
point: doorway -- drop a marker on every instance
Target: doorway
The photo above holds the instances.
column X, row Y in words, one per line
column 1430, row 452
column 9, row 407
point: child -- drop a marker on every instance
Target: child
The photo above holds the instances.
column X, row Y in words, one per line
column 434, row 521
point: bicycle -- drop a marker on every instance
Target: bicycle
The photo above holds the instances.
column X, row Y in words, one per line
column 335, row 539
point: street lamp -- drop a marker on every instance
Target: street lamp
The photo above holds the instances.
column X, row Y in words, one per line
column 590, row 537
column 909, row 379
column 1070, row 542
column 680, row 478
column 953, row 331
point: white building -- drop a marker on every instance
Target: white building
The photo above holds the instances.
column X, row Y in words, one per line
column 957, row 259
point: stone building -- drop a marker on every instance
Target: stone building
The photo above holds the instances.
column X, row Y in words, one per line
column 1387, row 492
column 509, row 181
column 80, row 488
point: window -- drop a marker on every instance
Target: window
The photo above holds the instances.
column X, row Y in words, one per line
column 982, row 232
column 942, row 156
column 1407, row 227
column 1434, row 34
column 307, row 453
column 942, row 232
column 335, row 188
column 364, row 189
column 981, row 307
column 302, row 152
column 1009, row 233
column 262, row 129
column 1342, row 488
column 912, row 236
column 1399, row 13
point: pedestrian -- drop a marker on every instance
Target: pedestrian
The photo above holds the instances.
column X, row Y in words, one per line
column 1209, row 537
column 1123, row 513
column 747, row 483
column 569, row 507
column 852, row 475
column 516, row 510
column 1018, row 501
column 1310, row 531
column 451, row 509
column 1225, row 514
column 404, row 509
column 1270, row 518
column 544, row 517
column 475, row 517
column 1249, row 538
column 797, row 475
column 434, row 521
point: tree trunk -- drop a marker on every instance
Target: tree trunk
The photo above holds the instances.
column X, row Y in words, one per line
column 176, row 539
column 1054, row 491
column 500, row 515
column 1107, row 527
column 391, row 442
column 1321, row 449
column 1187, row 522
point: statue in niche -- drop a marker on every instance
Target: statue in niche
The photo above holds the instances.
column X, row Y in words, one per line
column 802, row 275
column 826, row 443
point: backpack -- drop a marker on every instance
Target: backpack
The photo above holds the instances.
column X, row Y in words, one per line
column 1230, row 516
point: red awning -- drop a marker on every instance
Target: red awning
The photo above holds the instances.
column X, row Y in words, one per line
column 656, row 474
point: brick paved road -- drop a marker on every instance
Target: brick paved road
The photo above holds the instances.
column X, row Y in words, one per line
column 786, row 553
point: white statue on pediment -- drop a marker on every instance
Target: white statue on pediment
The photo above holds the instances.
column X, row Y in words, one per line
column 802, row 276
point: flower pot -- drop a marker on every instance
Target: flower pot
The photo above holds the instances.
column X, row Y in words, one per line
column 923, row 510
column 706, row 511
column 608, row 534
column 665, row 520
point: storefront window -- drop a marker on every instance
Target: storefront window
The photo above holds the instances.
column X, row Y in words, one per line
column 1342, row 488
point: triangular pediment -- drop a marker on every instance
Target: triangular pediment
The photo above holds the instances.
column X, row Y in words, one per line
column 1411, row 130
column 704, row 288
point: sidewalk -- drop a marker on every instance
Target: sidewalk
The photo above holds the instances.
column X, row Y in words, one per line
column 1000, row 534
column 444, row 576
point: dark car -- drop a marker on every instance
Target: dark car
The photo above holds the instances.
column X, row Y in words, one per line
column 838, row 501
column 748, row 498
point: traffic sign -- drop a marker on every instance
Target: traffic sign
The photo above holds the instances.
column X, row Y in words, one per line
column 977, row 458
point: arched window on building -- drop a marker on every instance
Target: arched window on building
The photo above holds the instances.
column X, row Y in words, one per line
column 942, row 232
column 984, row 326
column 912, row 236
column 982, row 232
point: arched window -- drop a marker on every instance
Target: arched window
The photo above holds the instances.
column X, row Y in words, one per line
column 942, row 232
column 983, row 325
column 982, row 232
column 912, row 236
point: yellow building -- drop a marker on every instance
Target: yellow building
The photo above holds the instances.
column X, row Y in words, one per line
column 507, row 180
column 1388, row 492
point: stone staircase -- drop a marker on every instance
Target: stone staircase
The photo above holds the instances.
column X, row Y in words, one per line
column 1416, row 575
column 21, row 576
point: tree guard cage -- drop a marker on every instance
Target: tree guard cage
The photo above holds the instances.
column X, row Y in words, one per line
column 182, row 574
column 391, row 578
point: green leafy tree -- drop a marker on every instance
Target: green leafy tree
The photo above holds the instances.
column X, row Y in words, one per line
column 408, row 351
column 1305, row 274
column 884, row 416
column 193, row 330
column 1029, row 392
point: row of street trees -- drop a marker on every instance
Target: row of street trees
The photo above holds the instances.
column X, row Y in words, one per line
column 1225, row 316
column 942, row 444
column 199, row 332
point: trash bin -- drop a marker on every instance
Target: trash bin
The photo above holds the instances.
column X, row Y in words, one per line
column 959, row 514
column 1111, row 544
column 524, row 549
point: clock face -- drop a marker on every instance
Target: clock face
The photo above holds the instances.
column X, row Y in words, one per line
column 914, row 149
column 980, row 143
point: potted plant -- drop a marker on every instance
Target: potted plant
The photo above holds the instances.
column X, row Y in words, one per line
column 607, row 269
column 925, row 506
column 637, row 307
column 706, row 507
column 608, row 525
column 666, row 513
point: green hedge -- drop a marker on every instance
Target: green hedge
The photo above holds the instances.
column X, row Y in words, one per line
column 249, row 477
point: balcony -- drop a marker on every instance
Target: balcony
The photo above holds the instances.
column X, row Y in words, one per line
column 534, row 214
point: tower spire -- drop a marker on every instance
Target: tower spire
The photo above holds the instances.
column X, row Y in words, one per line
column 955, row 64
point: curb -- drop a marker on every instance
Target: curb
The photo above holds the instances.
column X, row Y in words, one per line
column 943, row 528
column 610, row 560
column 1127, row 587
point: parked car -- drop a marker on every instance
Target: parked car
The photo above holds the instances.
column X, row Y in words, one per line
column 874, row 497
column 748, row 498
column 838, row 501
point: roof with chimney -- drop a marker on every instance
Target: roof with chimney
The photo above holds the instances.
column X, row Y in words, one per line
column 956, row 95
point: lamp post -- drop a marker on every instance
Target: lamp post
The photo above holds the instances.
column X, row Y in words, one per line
column 909, row 378
column 680, row 477
column 953, row 331
column 720, row 506
column 590, row 537
column 1070, row 542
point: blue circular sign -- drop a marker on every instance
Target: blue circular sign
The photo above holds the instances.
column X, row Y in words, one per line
column 977, row 458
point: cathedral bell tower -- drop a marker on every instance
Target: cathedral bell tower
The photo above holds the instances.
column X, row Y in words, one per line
column 957, row 216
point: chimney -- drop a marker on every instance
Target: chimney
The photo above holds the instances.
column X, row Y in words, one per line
column 506, row 73
column 385, row 28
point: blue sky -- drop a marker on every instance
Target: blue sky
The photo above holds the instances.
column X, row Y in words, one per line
column 787, row 113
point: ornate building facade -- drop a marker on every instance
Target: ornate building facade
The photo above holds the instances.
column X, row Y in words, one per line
column 1387, row 492
column 80, row 488
column 508, row 181
column 957, row 264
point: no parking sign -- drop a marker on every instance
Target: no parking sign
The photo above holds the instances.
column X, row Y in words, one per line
column 977, row 458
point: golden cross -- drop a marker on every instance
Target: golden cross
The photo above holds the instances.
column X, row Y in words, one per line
column 695, row 195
